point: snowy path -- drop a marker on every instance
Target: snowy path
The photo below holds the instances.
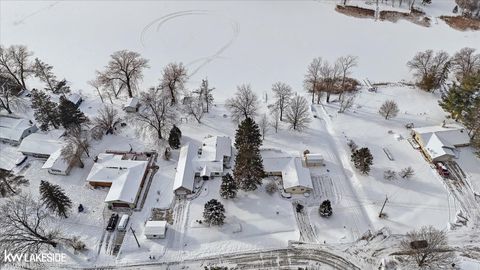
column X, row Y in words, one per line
column 307, row 233
column 358, row 221
column 180, row 212
column 288, row 258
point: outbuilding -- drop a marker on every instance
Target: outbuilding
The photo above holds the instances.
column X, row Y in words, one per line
column 55, row 164
column 132, row 105
column 14, row 129
column 75, row 99
column 155, row 229
column 314, row 160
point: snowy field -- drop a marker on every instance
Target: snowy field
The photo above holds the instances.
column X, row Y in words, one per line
column 229, row 42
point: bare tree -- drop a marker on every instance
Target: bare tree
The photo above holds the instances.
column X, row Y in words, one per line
column 15, row 63
column 465, row 62
column 275, row 118
column 125, row 68
column 10, row 183
column 173, row 80
column 194, row 107
column 470, row 8
column 407, row 172
column 282, row 94
column 297, row 114
column 264, row 125
column 24, row 226
column 330, row 75
column 72, row 153
column 346, row 63
column 106, row 119
column 9, row 95
column 97, row 85
column 43, row 71
column 346, row 102
column 205, row 95
column 157, row 116
column 244, row 104
column 313, row 78
column 389, row 109
column 428, row 248
column 430, row 69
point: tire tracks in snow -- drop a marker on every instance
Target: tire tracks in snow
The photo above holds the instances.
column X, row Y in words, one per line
column 203, row 61
column 23, row 19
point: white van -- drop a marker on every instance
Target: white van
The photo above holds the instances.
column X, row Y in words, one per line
column 122, row 225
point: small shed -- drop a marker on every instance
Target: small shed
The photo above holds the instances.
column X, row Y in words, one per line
column 75, row 99
column 314, row 160
column 155, row 229
column 132, row 105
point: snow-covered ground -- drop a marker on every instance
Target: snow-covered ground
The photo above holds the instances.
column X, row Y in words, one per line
column 259, row 43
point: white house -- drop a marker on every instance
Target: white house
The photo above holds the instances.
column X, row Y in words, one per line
column 14, row 129
column 125, row 177
column 131, row 105
column 206, row 161
column 295, row 177
column 42, row 145
column 55, row 164
column 439, row 143
column 155, row 229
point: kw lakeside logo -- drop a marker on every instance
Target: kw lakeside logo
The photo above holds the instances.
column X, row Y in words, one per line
column 34, row 257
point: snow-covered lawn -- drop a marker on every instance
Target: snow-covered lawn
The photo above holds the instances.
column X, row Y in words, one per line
column 421, row 200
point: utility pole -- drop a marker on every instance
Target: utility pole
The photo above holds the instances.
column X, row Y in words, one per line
column 383, row 206
column 136, row 236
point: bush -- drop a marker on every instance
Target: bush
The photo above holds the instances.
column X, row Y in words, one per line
column 389, row 175
column 271, row 187
column 325, row 209
column 407, row 173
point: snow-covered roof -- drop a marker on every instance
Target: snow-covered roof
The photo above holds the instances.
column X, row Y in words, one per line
column 454, row 136
column 295, row 175
column 185, row 176
column 216, row 147
column 124, row 174
column 56, row 162
column 74, row 98
column 314, row 157
column 441, row 141
column 132, row 102
column 274, row 160
column 155, row 227
column 43, row 144
column 12, row 128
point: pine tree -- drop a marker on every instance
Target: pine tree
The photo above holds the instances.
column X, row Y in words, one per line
column 70, row 115
column 228, row 188
column 45, row 110
column 54, row 198
column 325, row 209
column 214, row 212
column 362, row 159
column 10, row 183
column 174, row 137
column 248, row 133
column 248, row 171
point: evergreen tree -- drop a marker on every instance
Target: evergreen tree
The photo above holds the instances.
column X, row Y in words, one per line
column 70, row 115
column 248, row 171
column 248, row 133
column 228, row 188
column 10, row 183
column 214, row 212
column 174, row 137
column 362, row 159
column 325, row 209
column 45, row 110
column 54, row 198
column 460, row 98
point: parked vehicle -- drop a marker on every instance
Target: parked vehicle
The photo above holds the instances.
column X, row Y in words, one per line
column 20, row 160
column 299, row 208
column 112, row 222
column 122, row 225
column 442, row 169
